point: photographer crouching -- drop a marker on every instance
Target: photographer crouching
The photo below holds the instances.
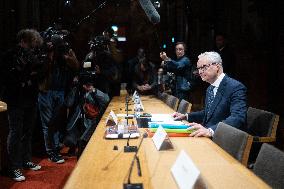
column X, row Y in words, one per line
column 61, row 66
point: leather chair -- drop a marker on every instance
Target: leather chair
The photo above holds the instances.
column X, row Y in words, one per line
column 262, row 125
column 172, row 102
column 269, row 166
column 234, row 141
column 163, row 97
column 184, row 107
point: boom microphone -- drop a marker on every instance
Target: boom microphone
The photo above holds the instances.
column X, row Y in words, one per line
column 150, row 11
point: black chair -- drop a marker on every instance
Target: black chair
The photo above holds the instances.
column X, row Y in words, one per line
column 184, row 107
column 172, row 102
column 234, row 141
column 269, row 166
column 163, row 97
column 262, row 125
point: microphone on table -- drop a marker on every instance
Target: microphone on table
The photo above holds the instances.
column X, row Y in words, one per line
column 126, row 104
column 130, row 185
column 150, row 11
column 128, row 148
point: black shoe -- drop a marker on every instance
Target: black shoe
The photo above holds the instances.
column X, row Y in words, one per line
column 17, row 175
column 57, row 151
column 54, row 157
column 30, row 165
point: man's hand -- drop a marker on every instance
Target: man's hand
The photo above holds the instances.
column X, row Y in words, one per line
column 164, row 56
column 97, row 69
column 200, row 131
column 140, row 87
column 147, row 87
column 179, row 116
column 71, row 59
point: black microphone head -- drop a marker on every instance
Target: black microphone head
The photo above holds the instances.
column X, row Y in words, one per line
column 150, row 11
column 145, row 135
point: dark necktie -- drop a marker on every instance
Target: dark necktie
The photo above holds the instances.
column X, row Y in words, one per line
column 210, row 97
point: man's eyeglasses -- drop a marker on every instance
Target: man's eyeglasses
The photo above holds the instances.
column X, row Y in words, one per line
column 179, row 49
column 205, row 67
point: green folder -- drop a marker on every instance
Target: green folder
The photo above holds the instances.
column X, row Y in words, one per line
column 173, row 130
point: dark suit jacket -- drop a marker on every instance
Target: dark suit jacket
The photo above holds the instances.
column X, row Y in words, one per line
column 229, row 106
column 182, row 69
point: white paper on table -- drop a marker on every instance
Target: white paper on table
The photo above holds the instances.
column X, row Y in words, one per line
column 162, row 117
column 184, row 171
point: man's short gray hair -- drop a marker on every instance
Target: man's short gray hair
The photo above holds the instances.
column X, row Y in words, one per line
column 212, row 57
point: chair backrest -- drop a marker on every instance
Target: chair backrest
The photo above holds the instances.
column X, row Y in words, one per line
column 184, row 107
column 234, row 141
column 164, row 96
column 269, row 165
column 172, row 102
column 261, row 123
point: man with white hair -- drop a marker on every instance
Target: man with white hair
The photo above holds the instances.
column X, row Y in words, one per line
column 225, row 100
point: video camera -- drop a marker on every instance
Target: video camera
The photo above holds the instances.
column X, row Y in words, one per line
column 99, row 43
column 58, row 39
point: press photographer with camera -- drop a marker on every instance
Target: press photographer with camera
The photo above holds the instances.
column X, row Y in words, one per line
column 182, row 68
column 61, row 67
column 20, row 72
column 107, row 72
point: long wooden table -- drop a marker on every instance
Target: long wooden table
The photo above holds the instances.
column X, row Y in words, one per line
column 100, row 166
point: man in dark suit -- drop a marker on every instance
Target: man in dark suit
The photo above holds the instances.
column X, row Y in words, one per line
column 225, row 99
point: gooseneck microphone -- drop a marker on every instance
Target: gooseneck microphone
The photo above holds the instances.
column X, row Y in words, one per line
column 130, row 185
column 126, row 104
column 150, row 11
column 128, row 148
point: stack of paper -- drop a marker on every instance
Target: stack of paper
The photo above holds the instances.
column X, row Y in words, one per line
column 173, row 128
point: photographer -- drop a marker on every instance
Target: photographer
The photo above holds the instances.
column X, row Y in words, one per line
column 19, row 72
column 61, row 66
column 181, row 68
column 102, row 63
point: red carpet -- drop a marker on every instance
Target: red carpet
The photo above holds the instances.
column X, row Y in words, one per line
column 51, row 175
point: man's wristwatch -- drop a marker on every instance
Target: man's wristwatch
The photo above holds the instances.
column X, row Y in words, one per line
column 211, row 132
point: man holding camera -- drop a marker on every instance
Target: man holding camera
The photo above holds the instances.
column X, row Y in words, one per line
column 181, row 68
column 20, row 80
column 61, row 66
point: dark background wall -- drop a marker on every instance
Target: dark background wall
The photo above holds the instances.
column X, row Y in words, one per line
column 254, row 29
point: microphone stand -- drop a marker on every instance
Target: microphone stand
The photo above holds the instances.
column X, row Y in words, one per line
column 128, row 148
column 93, row 12
column 126, row 103
column 130, row 185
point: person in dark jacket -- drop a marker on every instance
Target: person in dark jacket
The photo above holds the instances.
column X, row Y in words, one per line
column 20, row 82
column 182, row 70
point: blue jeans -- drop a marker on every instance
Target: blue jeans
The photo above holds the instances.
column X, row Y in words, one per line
column 21, row 123
column 49, row 104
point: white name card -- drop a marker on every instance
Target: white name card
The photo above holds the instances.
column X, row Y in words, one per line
column 134, row 95
column 184, row 171
column 112, row 117
column 159, row 137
